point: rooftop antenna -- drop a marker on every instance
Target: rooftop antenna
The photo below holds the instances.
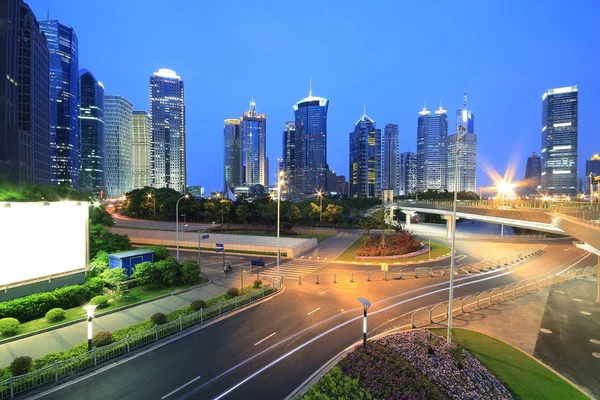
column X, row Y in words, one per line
column 465, row 97
column 310, row 87
column 365, row 110
column 48, row 19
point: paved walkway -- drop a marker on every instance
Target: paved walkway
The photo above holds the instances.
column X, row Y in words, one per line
column 333, row 247
column 69, row 336
column 464, row 228
column 560, row 327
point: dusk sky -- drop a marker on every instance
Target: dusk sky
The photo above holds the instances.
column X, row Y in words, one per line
column 390, row 55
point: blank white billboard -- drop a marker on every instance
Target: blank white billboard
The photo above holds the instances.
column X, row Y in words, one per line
column 42, row 240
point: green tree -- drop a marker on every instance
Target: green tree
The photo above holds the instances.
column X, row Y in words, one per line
column 112, row 277
column 190, row 271
column 332, row 213
column 294, row 214
column 312, row 210
column 145, row 273
column 160, row 252
column 243, row 212
column 168, row 271
column 99, row 264
column 102, row 239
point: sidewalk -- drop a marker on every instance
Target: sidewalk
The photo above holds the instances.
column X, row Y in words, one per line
column 69, row 336
column 331, row 248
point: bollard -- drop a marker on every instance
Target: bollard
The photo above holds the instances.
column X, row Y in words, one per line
column 430, row 272
column 369, row 276
column 351, row 277
column 385, row 275
column 317, row 279
column 334, row 278
column 299, row 279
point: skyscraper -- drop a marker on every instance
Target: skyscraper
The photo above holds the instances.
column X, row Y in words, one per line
column 407, row 174
column 465, row 117
column 390, row 158
column 91, row 133
column 232, row 132
column 289, row 157
column 310, row 169
column 118, row 118
column 559, row 140
column 167, row 113
column 432, row 133
column 533, row 173
column 141, row 150
column 592, row 166
column 254, row 147
column 64, row 101
column 467, row 156
column 365, row 158
column 24, row 97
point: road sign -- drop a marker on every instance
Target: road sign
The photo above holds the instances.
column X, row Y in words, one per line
column 219, row 245
column 220, row 250
column 258, row 263
column 204, row 237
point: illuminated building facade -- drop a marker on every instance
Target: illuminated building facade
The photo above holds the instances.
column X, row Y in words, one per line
column 390, row 158
column 118, row 118
column 365, row 159
column 407, row 174
column 254, row 147
column 141, row 150
column 232, row 136
column 432, row 135
column 289, row 157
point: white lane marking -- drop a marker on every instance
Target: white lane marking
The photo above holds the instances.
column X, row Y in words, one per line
column 313, row 311
column 181, row 387
column 262, row 340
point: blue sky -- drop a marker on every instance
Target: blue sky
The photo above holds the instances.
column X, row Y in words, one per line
column 390, row 55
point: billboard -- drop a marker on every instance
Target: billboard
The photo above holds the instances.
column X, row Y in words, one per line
column 40, row 240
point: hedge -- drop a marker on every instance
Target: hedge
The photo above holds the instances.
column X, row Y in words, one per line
column 37, row 305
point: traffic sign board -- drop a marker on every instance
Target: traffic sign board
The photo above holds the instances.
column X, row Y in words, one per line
column 258, row 263
column 219, row 245
column 205, row 237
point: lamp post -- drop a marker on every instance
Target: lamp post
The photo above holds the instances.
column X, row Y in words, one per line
column 280, row 183
column 177, row 223
column 154, row 200
column 320, row 196
column 89, row 310
column 366, row 304
column 459, row 135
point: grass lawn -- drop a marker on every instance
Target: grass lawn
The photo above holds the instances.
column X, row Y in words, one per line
column 319, row 235
column 524, row 377
column 134, row 295
column 348, row 255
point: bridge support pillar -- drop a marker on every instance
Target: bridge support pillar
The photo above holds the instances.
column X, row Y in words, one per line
column 501, row 231
column 407, row 213
column 449, row 225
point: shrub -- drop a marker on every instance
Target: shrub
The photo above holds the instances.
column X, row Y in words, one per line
column 160, row 252
column 167, row 271
column 96, row 286
column 55, row 315
column 102, row 338
column 72, row 296
column 145, row 273
column 99, row 264
column 9, row 326
column 335, row 385
column 190, row 271
column 112, row 277
column 257, row 283
column 159, row 318
column 198, row 304
column 232, row 292
column 100, row 301
column 20, row 365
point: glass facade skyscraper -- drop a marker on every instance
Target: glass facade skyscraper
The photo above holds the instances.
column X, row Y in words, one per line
column 533, row 173
column 64, row 102
column 289, row 156
column 365, row 158
column 141, row 149
column 167, row 115
column 390, row 158
column 232, row 136
column 254, row 147
column 91, row 133
column 408, row 174
column 560, row 140
column 465, row 117
column 118, row 118
column 432, row 135
column 467, row 157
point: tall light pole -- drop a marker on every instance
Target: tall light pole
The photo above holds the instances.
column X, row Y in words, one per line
column 280, row 182
column 89, row 310
column 320, row 196
column 154, row 200
column 366, row 304
column 187, row 196
column 459, row 135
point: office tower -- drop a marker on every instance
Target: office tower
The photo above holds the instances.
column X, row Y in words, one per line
column 196, row 191
column 336, row 183
column 467, row 157
column 432, row 133
column 254, row 147
column 64, row 102
column 592, row 166
column 289, row 157
column 91, row 133
column 465, row 117
column 407, row 174
column 365, row 158
column 167, row 115
column 24, row 97
column 310, row 165
column 390, row 158
column 141, row 150
column 118, row 120
column 559, row 140
column 533, row 174
column 232, row 132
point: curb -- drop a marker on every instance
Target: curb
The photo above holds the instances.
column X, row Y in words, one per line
column 76, row 321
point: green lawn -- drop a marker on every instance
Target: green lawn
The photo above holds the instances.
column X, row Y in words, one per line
column 524, row 377
column 319, row 235
column 348, row 255
column 134, row 295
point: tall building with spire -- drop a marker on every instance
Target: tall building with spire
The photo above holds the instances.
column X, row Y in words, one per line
column 390, row 159
column 232, row 137
column 254, row 147
column 310, row 167
column 432, row 135
column 365, row 158
column 464, row 116
column 467, row 152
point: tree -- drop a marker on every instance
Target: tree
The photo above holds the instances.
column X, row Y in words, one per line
column 366, row 224
column 225, row 209
column 378, row 217
column 102, row 239
column 312, row 210
column 145, row 273
column 99, row 264
column 160, row 252
column 294, row 213
column 332, row 213
column 190, row 271
column 98, row 215
column 243, row 212
column 167, row 271
column 112, row 277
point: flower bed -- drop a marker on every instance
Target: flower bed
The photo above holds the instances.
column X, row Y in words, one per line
column 377, row 246
column 424, row 250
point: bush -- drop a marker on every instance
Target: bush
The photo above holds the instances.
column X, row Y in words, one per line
column 55, row 315
column 168, row 271
column 100, row 301
column 232, row 292
column 72, row 296
column 99, row 264
column 112, row 277
column 96, row 286
column 190, row 271
column 159, row 318
column 160, row 252
column 20, row 365
column 198, row 304
column 9, row 326
column 145, row 273
column 102, row 338
column 257, row 283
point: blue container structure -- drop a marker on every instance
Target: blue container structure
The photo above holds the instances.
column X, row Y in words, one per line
column 129, row 259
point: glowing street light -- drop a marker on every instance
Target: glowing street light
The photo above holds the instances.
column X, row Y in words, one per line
column 320, row 197
column 505, row 189
column 89, row 310
column 154, row 200
column 187, row 196
column 366, row 304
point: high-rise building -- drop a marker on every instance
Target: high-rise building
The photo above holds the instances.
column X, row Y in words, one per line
column 167, row 115
column 432, row 134
column 365, row 158
column 91, row 133
column 232, row 132
column 465, row 117
column 336, row 183
column 141, row 150
column 310, row 165
column 390, row 158
column 254, row 147
column 196, row 191
column 559, row 140
column 533, row 174
column 289, row 157
column 24, row 97
column 592, row 166
column 118, row 119
column 407, row 174
column 64, row 103
column 467, row 156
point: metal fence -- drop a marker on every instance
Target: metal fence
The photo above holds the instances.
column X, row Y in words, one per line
column 439, row 312
column 16, row 385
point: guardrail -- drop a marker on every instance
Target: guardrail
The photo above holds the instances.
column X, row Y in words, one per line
column 60, row 370
column 428, row 315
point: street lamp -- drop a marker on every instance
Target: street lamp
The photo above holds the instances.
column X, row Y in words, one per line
column 366, row 304
column 280, row 182
column 89, row 310
column 154, row 200
column 187, row 196
column 320, row 197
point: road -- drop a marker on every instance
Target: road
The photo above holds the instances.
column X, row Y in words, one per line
column 268, row 350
